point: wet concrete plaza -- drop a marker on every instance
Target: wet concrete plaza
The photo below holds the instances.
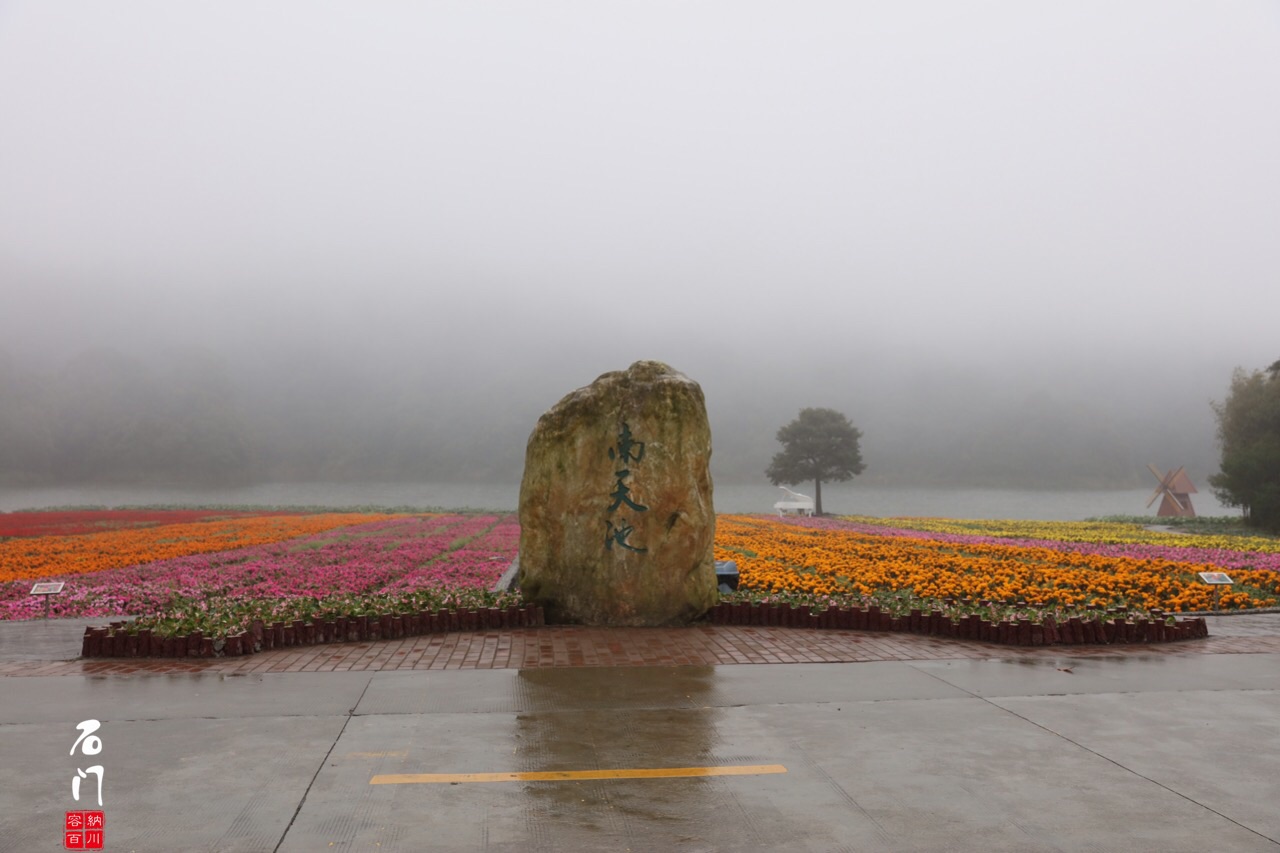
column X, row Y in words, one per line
column 1009, row 752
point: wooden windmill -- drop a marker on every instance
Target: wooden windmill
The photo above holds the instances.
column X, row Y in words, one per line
column 1176, row 489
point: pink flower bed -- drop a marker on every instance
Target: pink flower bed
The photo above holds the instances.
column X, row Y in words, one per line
column 477, row 565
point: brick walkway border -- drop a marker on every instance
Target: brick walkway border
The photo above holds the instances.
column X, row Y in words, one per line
column 535, row 648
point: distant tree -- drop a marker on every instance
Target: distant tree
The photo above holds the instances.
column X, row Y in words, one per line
column 820, row 445
column 1249, row 436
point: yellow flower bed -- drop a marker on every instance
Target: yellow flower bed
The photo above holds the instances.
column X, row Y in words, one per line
column 1094, row 532
column 775, row 556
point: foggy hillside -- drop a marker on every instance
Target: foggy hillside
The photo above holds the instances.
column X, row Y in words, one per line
column 196, row 417
column 1017, row 244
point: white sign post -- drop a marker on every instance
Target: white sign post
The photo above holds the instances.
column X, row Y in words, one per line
column 47, row 589
column 1217, row 580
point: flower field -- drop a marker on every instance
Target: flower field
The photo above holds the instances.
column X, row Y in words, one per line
column 1047, row 565
column 215, row 575
column 1108, row 534
column 217, row 571
column 25, row 558
column 72, row 522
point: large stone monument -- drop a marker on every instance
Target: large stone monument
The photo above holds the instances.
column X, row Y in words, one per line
column 616, row 517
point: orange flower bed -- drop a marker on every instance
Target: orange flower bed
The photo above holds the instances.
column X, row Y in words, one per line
column 73, row 522
column 58, row 556
column 779, row 557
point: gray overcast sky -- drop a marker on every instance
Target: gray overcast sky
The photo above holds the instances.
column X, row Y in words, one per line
column 1029, row 185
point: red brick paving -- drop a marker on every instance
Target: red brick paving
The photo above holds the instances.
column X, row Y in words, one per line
column 533, row 648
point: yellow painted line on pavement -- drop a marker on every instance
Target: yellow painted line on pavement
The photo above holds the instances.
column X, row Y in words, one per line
column 573, row 775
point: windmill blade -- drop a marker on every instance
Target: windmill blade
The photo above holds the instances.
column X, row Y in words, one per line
column 1164, row 484
column 1160, row 489
column 1176, row 489
column 1174, row 484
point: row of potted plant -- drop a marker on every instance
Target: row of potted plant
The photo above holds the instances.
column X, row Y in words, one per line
column 1014, row 623
column 127, row 639
column 224, row 626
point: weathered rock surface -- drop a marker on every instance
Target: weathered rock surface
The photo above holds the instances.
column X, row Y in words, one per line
column 616, row 515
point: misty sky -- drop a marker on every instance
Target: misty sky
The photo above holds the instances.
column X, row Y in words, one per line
column 862, row 205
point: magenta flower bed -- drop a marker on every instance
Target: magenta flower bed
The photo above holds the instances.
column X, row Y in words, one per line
column 477, row 565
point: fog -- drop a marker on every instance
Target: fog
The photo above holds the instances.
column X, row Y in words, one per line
column 1017, row 244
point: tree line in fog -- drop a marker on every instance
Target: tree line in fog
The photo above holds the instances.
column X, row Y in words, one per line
column 199, row 418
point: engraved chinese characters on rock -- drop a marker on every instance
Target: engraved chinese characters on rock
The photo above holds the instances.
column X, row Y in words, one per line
column 616, row 515
column 626, row 452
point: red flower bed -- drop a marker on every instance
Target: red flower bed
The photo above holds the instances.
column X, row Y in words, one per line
column 74, row 522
